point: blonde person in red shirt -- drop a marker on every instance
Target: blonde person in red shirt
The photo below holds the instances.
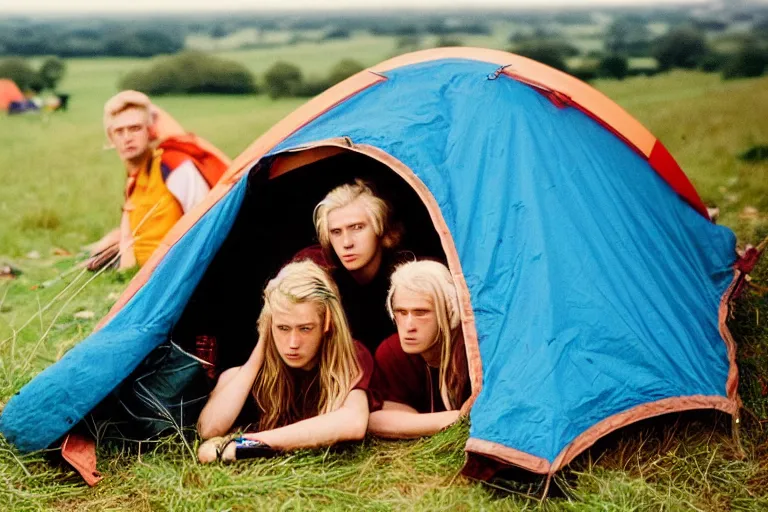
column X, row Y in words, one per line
column 306, row 382
column 359, row 244
column 422, row 370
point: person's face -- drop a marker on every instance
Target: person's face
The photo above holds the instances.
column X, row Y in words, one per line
column 352, row 236
column 416, row 320
column 129, row 133
column 298, row 333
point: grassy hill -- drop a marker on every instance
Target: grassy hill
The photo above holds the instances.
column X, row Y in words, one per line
column 60, row 189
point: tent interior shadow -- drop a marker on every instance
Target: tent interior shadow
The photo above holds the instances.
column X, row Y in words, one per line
column 274, row 223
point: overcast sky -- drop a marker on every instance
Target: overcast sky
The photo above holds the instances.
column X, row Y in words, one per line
column 72, row 6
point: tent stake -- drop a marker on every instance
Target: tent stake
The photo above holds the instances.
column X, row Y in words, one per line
column 546, row 488
column 736, row 435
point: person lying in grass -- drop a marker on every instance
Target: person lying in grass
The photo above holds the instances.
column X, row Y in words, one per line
column 422, row 369
column 306, row 382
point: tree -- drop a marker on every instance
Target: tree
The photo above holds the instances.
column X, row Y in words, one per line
column 344, row 69
column 551, row 54
column 51, row 72
column 628, row 36
column 750, row 61
column 760, row 29
column 21, row 72
column 680, row 48
column 283, row 79
column 408, row 43
column 142, row 43
column 614, row 66
column 219, row 31
column 311, row 86
column 337, row 33
column 192, row 73
column 713, row 61
column 447, row 41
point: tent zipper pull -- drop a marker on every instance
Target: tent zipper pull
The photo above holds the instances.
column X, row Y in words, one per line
column 498, row 72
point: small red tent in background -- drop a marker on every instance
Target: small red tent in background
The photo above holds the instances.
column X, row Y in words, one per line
column 9, row 92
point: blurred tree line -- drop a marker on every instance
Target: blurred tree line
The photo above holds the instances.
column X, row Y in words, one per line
column 192, row 73
column 89, row 39
column 201, row 73
column 638, row 41
column 685, row 47
column 47, row 76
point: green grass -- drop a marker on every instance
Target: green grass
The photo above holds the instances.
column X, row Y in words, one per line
column 60, row 189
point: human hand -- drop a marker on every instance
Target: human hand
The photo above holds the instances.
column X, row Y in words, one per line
column 451, row 417
column 257, row 355
column 209, row 450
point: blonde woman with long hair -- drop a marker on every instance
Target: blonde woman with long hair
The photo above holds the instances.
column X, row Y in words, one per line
column 305, row 383
column 423, row 375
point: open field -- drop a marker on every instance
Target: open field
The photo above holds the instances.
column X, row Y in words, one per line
column 60, row 189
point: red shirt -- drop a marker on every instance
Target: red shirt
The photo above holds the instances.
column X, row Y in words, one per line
column 307, row 393
column 406, row 378
column 367, row 367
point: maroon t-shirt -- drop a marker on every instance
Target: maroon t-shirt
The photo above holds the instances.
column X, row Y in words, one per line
column 406, row 378
column 368, row 370
column 307, row 393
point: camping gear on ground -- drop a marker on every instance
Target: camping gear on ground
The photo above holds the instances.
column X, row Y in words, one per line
column 80, row 452
column 206, row 350
column 104, row 257
column 252, row 449
column 63, row 101
column 593, row 287
column 22, row 107
column 9, row 272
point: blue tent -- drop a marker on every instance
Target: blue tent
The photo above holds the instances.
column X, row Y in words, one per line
column 593, row 285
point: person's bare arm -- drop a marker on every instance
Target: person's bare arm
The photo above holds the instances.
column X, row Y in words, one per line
column 400, row 421
column 229, row 396
column 111, row 238
column 347, row 423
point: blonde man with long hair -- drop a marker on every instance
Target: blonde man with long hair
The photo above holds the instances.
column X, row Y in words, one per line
column 358, row 243
column 423, row 375
column 305, row 383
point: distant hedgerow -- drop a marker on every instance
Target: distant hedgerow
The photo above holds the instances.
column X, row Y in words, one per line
column 757, row 153
column 192, row 73
column 750, row 61
column 284, row 79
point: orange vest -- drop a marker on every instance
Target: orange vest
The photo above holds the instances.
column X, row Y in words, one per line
column 152, row 209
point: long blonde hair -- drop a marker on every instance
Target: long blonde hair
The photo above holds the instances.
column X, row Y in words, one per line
column 378, row 210
column 274, row 389
column 434, row 279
